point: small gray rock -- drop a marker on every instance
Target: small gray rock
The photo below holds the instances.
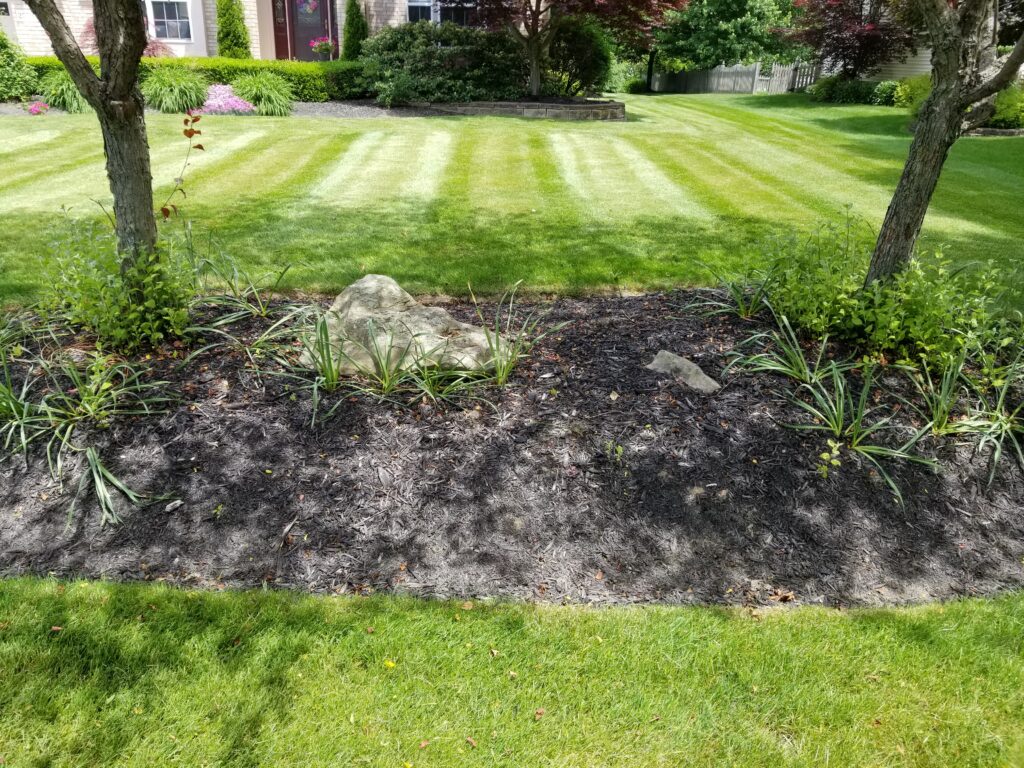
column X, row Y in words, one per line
column 174, row 506
column 686, row 371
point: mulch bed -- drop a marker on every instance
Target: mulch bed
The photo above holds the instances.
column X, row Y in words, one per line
column 589, row 478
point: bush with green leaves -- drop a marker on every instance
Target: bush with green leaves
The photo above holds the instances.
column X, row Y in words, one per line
column 309, row 81
column 232, row 34
column 18, row 79
column 444, row 63
column 928, row 311
column 59, row 90
column 912, row 91
column 355, row 32
column 836, row 89
column 884, row 94
column 1009, row 106
column 639, row 85
column 144, row 305
column 174, row 90
column 269, row 93
column 581, row 56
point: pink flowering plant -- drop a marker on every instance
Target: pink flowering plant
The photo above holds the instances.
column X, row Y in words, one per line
column 322, row 45
column 221, row 100
column 38, row 108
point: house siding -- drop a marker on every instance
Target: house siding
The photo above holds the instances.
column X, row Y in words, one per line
column 916, row 64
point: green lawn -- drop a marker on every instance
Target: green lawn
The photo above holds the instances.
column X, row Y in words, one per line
column 439, row 202
column 97, row 674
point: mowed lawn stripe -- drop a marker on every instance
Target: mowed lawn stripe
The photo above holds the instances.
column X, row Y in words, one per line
column 347, row 168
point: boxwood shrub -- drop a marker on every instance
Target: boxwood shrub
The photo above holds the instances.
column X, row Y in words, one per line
column 309, row 81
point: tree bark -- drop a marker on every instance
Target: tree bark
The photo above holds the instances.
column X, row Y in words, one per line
column 533, row 53
column 115, row 97
column 964, row 82
column 651, row 58
column 937, row 129
column 131, row 181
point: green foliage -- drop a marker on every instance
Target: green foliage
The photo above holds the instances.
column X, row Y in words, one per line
column 346, row 80
column 446, row 62
column 18, row 79
column 308, row 80
column 174, row 90
column 636, row 86
column 355, row 32
column 232, row 34
column 269, row 93
column 59, row 90
column 884, row 94
column 836, row 89
column 707, row 33
column 1009, row 108
column 928, row 312
column 912, row 91
column 144, row 305
column 581, row 55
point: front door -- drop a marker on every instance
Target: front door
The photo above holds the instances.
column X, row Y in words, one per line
column 296, row 22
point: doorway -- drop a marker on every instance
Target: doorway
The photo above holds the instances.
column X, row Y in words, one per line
column 296, row 22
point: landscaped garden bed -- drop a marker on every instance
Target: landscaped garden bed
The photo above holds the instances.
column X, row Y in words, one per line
column 587, row 478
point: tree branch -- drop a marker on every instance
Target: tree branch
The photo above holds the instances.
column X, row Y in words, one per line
column 121, row 37
column 66, row 47
column 1006, row 74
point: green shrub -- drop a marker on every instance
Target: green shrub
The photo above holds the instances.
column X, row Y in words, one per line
column 174, row 90
column 59, row 90
column 232, row 34
column 307, row 79
column 638, row 85
column 269, row 93
column 823, row 88
column 1009, row 108
column 928, row 311
column 912, row 91
column 581, row 55
column 842, row 90
column 884, row 94
column 356, row 31
column 18, row 79
column 143, row 306
column 445, row 62
column 346, row 80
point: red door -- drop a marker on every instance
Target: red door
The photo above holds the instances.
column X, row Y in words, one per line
column 296, row 22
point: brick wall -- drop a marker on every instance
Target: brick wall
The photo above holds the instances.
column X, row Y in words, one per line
column 379, row 13
column 251, row 23
column 31, row 36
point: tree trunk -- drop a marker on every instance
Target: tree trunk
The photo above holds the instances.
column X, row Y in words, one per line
column 937, row 129
column 131, row 182
column 534, row 52
column 651, row 58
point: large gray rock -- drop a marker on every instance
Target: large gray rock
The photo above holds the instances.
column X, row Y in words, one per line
column 376, row 313
column 686, row 371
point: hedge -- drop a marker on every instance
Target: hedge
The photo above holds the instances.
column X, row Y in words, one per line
column 310, row 81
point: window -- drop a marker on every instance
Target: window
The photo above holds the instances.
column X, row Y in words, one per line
column 463, row 15
column 170, row 21
column 421, row 10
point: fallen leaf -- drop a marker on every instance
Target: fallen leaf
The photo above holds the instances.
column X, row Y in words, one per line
column 495, row 652
column 512, row 675
column 613, row 396
column 472, row 741
column 599, row 575
column 467, row 606
column 538, row 714
column 423, row 744
column 56, row 629
column 370, row 630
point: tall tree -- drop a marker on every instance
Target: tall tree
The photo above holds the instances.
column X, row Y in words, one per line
column 853, row 37
column 114, row 95
column 355, row 32
column 966, row 76
column 533, row 22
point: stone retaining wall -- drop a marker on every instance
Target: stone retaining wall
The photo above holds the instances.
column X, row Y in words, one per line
column 583, row 110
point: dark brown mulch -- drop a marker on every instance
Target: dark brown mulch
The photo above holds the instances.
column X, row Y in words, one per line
column 589, row 478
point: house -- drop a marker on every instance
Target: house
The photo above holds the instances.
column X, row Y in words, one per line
column 278, row 29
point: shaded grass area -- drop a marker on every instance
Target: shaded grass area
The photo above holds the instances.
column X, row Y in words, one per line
column 689, row 182
column 103, row 674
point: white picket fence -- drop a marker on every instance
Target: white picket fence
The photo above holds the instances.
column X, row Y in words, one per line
column 739, row 78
